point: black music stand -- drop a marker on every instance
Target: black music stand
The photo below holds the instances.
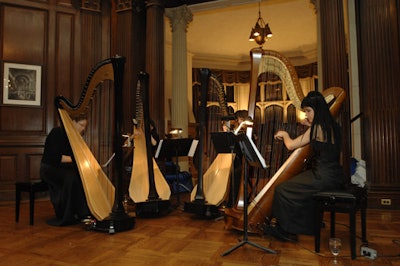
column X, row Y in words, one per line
column 224, row 142
column 184, row 147
column 253, row 158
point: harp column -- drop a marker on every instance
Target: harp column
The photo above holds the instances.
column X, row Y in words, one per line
column 179, row 18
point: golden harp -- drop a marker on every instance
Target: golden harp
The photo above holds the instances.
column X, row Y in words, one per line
column 260, row 207
column 103, row 198
column 148, row 187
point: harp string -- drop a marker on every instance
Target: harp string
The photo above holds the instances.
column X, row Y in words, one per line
column 275, row 110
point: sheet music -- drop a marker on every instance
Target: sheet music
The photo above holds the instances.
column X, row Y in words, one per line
column 180, row 146
column 158, row 148
column 193, row 148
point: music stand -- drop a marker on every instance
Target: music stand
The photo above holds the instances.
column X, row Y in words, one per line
column 253, row 158
column 224, row 142
column 184, row 147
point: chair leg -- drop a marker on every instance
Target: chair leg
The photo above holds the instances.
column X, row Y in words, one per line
column 352, row 216
column 364, row 225
column 31, row 206
column 318, row 219
column 17, row 203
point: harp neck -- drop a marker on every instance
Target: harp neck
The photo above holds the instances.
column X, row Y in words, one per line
column 264, row 61
column 104, row 70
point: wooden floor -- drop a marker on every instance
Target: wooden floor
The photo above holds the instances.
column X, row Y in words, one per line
column 179, row 238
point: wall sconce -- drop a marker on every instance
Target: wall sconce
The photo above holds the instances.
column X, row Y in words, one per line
column 261, row 31
column 176, row 133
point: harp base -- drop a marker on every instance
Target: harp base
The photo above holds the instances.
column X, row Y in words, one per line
column 114, row 223
column 153, row 208
column 202, row 209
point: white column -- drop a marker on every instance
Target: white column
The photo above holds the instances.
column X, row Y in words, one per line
column 179, row 18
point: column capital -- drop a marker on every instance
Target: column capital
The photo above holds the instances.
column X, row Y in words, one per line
column 314, row 3
column 154, row 3
column 179, row 17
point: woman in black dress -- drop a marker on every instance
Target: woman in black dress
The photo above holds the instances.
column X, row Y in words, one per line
column 293, row 207
column 58, row 169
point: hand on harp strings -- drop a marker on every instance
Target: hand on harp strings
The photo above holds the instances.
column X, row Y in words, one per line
column 129, row 140
column 243, row 124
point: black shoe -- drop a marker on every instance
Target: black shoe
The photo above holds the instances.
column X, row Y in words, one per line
column 280, row 234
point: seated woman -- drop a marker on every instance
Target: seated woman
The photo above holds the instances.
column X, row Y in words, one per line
column 293, row 207
column 58, row 169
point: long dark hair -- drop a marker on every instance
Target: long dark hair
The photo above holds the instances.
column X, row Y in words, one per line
column 323, row 118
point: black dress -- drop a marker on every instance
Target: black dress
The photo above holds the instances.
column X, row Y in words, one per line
column 293, row 206
column 65, row 185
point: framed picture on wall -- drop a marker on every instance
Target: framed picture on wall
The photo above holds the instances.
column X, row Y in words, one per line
column 22, row 84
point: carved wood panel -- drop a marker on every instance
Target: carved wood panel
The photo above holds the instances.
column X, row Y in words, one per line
column 379, row 96
column 66, row 40
column 18, row 164
column 24, row 34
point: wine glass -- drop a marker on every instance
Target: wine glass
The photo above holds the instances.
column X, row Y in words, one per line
column 335, row 245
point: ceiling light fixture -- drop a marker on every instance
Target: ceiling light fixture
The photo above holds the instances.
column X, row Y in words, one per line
column 261, row 31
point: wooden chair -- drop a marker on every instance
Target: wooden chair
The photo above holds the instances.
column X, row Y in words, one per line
column 347, row 201
column 31, row 188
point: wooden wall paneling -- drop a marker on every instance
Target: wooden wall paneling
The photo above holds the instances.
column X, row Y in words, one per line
column 123, row 42
column 24, row 35
column 50, row 34
column 8, row 167
column 33, row 160
column 93, row 46
column 106, row 149
column 93, row 5
column 24, row 42
column 90, row 47
column 106, row 30
column 18, row 164
column 64, row 55
column 8, row 173
column 1, row 44
column 65, row 2
column 379, row 93
column 17, row 121
column 155, row 60
column 380, row 90
column 94, row 38
column 129, row 39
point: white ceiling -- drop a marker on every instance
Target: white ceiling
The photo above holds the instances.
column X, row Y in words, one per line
column 218, row 34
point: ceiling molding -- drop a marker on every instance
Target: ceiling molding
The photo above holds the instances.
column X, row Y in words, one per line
column 218, row 35
column 220, row 62
column 219, row 4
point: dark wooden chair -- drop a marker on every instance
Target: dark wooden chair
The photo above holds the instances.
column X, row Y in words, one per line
column 31, row 188
column 350, row 200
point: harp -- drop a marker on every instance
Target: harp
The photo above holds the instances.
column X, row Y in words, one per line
column 148, row 187
column 212, row 187
column 103, row 198
column 284, row 166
